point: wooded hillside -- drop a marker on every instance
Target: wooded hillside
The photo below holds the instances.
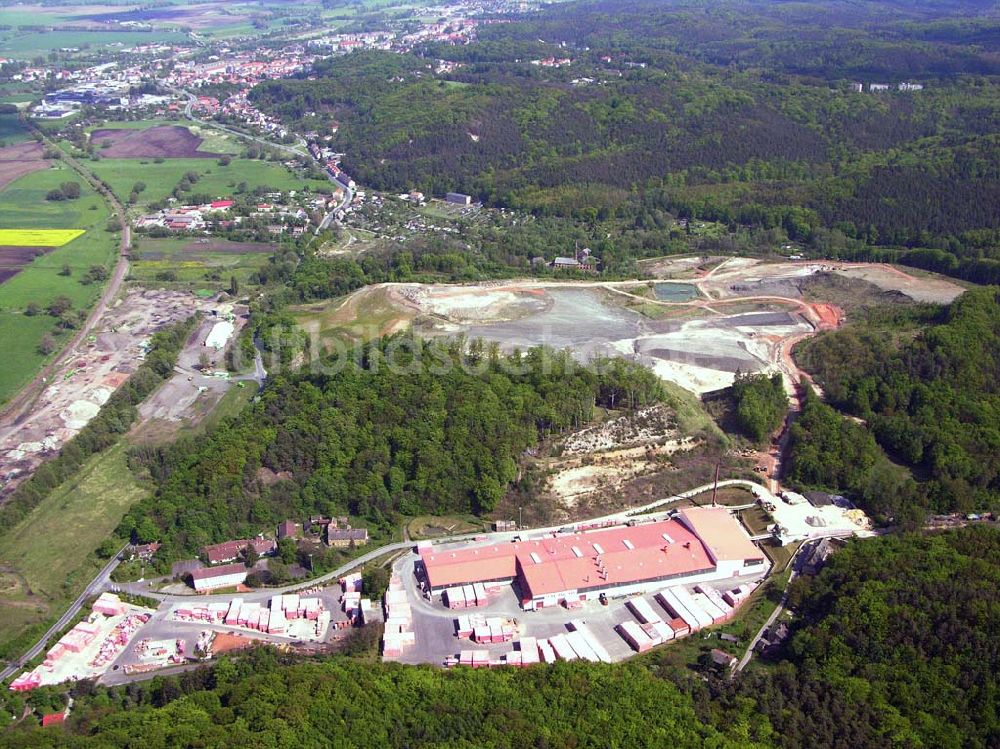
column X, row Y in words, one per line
column 412, row 428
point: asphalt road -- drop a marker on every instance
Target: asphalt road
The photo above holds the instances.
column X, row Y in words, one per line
column 774, row 614
column 19, row 407
column 94, row 588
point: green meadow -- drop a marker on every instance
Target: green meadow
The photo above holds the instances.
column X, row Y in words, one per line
column 23, row 206
column 215, row 180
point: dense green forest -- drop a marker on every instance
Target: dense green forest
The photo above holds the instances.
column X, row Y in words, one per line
column 738, row 113
column 760, row 404
column 412, row 427
column 256, row 702
column 895, row 643
column 927, row 388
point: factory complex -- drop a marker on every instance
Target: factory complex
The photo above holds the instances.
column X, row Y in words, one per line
column 698, row 544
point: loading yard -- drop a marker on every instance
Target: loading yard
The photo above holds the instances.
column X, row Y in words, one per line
column 635, row 586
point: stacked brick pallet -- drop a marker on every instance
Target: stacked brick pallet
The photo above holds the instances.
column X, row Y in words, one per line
column 398, row 635
column 466, row 596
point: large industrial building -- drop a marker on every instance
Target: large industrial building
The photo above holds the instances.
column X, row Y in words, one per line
column 698, row 545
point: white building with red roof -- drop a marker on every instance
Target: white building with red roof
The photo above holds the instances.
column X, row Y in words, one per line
column 701, row 544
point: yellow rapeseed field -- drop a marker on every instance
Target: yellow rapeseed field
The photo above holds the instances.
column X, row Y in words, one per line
column 38, row 237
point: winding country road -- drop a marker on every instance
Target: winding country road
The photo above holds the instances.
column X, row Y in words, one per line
column 96, row 586
column 17, row 410
column 621, row 516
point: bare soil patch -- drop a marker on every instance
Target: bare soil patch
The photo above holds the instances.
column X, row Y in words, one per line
column 162, row 141
column 13, row 259
column 18, row 160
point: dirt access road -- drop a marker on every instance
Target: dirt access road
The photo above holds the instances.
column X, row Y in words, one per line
column 21, row 403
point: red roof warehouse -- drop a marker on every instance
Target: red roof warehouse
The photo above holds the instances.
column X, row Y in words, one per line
column 702, row 543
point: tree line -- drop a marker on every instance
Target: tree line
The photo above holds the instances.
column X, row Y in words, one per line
column 926, row 390
column 408, row 428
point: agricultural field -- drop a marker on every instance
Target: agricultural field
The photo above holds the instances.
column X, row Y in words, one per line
column 165, row 141
column 215, row 180
column 185, row 263
column 35, row 584
column 11, row 130
column 38, row 237
column 27, row 14
column 208, row 16
column 20, row 159
column 27, row 45
column 42, row 279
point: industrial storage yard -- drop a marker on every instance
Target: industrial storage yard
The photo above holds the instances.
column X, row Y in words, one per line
column 600, row 594
column 117, row 640
column 91, row 374
column 599, row 590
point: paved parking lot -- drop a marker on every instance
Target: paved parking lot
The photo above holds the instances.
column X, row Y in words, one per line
column 162, row 626
column 434, row 624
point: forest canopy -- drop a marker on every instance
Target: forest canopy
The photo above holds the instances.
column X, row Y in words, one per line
column 413, row 427
column 744, row 114
column 930, row 396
